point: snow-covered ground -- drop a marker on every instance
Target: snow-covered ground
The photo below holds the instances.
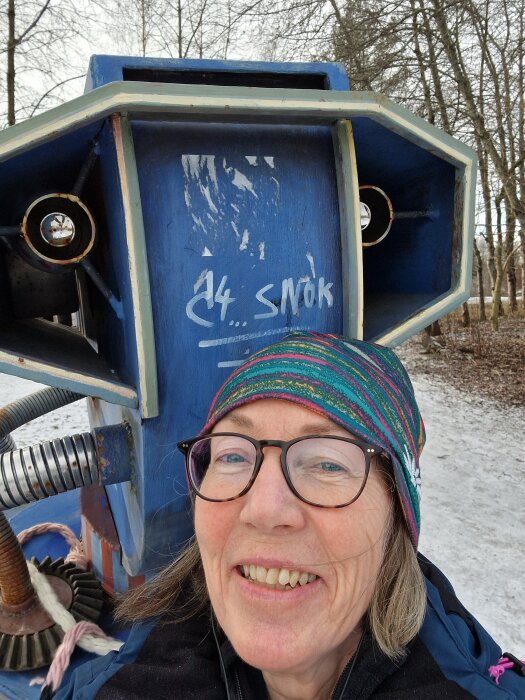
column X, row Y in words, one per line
column 473, row 510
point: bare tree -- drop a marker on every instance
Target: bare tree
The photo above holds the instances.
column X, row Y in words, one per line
column 37, row 53
column 177, row 28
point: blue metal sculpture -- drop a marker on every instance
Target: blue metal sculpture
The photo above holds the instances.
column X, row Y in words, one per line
column 189, row 212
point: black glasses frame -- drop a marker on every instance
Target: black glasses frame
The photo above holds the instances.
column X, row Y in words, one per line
column 369, row 450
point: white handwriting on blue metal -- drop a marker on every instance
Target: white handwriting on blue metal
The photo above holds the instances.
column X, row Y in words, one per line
column 293, row 295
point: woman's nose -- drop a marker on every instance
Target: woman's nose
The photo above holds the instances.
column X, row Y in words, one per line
column 270, row 503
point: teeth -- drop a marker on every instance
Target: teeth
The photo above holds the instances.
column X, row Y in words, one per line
column 272, row 576
column 294, row 578
column 281, row 579
column 284, row 577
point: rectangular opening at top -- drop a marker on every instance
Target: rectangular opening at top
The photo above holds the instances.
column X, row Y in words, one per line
column 298, row 81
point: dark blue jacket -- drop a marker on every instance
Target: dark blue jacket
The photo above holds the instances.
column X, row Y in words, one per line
column 449, row 659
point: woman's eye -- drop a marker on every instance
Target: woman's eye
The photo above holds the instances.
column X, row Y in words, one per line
column 232, row 458
column 330, row 467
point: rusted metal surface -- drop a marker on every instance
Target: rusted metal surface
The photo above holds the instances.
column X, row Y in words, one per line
column 73, row 209
column 15, row 584
column 34, row 618
column 30, row 637
column 114, row 453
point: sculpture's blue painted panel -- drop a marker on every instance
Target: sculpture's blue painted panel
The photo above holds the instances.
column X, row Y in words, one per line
column 240, row 248
column 320, row 76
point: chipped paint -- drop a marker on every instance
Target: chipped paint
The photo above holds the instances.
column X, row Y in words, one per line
column 261, row 250
column 252, row 160
column 243, row 183
column 310, row 259
column 245, row 240
column 270, row 161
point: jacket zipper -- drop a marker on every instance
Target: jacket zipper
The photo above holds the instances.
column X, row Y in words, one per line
column 238, row 687
column 342, row 678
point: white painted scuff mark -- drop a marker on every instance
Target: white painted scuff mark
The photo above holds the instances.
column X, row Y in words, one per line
column 191, row 165
column 197, row 220
column 234, row 207
column 310, row 259
column 200, row 280
column 194, row 166
column 270, row 161
column 206, row 253
column 252, row 160
column 234, row 227
column 212, row 172
column 242, row 183
column 227, row 168
column 304, row 279
column 187, row 199
column 245, row 240
column 261, row 250
column 206, row 192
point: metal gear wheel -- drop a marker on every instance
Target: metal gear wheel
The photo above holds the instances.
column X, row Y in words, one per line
column 29, row 638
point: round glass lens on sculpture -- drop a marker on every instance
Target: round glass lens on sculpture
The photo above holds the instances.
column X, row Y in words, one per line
column 365, row 214
column 57, row 229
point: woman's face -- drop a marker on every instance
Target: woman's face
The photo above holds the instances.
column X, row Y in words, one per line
column 270, row 528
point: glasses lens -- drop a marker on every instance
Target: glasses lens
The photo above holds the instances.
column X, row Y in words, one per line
column 221, row 465
column 326, row 471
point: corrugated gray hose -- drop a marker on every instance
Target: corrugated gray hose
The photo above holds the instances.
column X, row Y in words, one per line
column 32, row 473
column 26, row 409
column 15, row 584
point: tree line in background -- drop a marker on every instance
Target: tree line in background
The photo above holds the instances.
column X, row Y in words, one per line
column 457, row 63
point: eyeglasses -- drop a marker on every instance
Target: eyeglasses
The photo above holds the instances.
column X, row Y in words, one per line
column 324, row 471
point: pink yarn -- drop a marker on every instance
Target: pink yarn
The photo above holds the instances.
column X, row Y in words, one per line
column 63, row 653
column 76, row 556
column 499, row 669
column 76, row 552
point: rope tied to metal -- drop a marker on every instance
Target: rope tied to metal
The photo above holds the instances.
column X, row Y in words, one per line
column 86, row 635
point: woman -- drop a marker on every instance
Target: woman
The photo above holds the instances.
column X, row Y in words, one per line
column 303, row 580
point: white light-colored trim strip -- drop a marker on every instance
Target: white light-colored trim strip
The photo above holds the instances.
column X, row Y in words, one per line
column 350, row 221
column 235, row 104
column 138, row 267
column 45, row 373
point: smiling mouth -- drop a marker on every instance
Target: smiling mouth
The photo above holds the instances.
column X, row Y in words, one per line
column 279, row 579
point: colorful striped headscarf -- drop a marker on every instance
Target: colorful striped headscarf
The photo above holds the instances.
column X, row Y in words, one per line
column 361, row 386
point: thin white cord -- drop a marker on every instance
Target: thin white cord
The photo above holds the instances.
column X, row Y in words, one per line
column 64, row 618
